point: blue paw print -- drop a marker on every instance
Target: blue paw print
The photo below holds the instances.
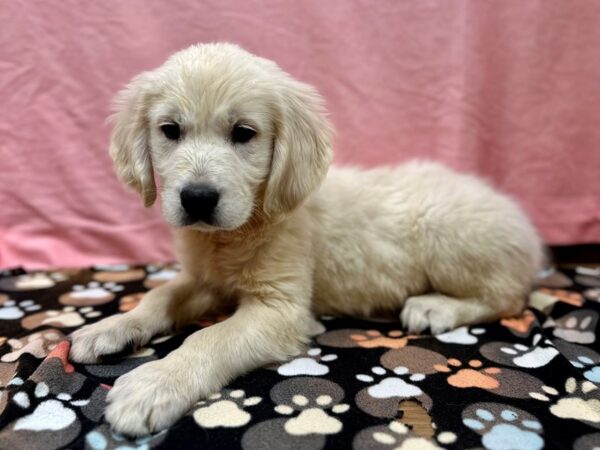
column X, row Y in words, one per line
column 593, row 373
column 102, row 439
column 503, row 427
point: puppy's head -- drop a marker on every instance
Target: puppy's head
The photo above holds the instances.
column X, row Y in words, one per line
column 227, row 135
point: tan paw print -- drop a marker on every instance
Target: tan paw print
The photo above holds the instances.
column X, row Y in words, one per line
column 225, row 409
column 580, row 401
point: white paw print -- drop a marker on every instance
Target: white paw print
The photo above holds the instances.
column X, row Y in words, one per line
column 307, row 365
column 85, row 311
column 11, row 310
column 461, row 335
column 533, row 356
column 225, row 409
column 392, row 386
column 62, row 416
column 313, row 417
column 95, row 288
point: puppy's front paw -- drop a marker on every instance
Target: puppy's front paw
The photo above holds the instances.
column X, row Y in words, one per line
column 111, row 335
column 424, row 311
column 150, row 398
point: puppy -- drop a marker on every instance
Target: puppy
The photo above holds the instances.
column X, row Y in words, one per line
column 241, row 152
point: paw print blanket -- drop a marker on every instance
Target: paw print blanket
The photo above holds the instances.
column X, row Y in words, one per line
column 528, row 382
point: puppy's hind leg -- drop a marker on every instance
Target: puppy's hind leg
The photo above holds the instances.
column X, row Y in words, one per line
column 168, row 305
column 441, row 313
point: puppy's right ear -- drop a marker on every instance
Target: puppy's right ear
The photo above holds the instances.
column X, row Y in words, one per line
column 129, row 142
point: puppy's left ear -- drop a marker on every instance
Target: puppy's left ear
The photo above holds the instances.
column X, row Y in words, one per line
column 129, row 142
column 302, row 149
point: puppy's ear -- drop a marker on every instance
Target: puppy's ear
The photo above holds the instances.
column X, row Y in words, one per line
column 302, row 148
column 129, row 143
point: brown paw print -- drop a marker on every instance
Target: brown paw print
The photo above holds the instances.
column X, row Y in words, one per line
column 415, row 359
column 577, row 327
column 470, row 377
column 552, row 278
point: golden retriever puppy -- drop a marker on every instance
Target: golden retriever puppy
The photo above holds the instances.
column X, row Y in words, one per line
column 241, row 153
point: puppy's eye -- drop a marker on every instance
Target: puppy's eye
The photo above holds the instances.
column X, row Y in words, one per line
column 171, row 131
column 242, row 134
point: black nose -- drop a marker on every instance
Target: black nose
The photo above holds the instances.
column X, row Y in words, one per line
column 199, row 202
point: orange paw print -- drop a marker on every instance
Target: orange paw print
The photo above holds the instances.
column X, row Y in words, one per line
column 570, row 297
column 128, row 302
column 519, row 324
column 470, row 377
column 373, row 339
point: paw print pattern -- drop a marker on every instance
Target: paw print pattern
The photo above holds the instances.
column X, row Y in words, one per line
column 103, row 438
column 461, row 335
column 307, row 365
column 503, row 382
column 381, row 398
column 118, row 273
column 577, row 327
column 590, row 367
column 53, row 419
column 544, row 299
column 157, row 275
column 351, row 338
column 539, row 354
column 592, row 294
column 225, row 409
column 415, row 359
column 68, row 317
column 504, row 427
column 92, row 294
column 474, row 376
column 31, row 281
column 581, row 401
column 520, row 326
column 309, row 407
column 11, row 310
column 374, row 339
column 395, row 435
column 552, row 278
column 128, row 302
column 36, row 344
column 583, row 358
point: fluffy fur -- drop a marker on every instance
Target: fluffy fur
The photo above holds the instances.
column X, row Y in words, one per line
column 288, row 241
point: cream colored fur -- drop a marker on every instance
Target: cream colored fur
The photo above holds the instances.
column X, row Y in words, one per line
column 289, row 241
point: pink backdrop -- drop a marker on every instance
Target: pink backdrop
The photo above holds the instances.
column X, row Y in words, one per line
column 510, row 90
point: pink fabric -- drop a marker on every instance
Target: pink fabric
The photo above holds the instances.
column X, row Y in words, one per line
column 509, row 90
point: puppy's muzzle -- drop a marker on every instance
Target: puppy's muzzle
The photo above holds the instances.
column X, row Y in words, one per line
column 199, row 202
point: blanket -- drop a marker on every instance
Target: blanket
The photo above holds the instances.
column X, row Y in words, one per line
column 527, row 382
